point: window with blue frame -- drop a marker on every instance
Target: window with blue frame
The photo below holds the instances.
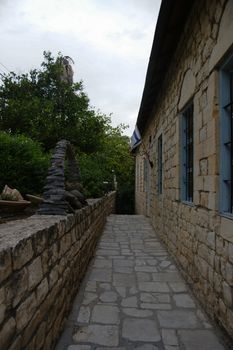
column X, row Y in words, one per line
column 226, row 137
column 187, row 154
column 160, row 164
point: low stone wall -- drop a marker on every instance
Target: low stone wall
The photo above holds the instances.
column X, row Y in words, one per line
column 42, row 262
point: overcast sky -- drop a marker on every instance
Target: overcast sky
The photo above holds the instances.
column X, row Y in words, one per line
column 109, row 41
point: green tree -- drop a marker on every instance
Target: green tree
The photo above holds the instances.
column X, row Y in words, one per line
column 113, row 158
column 23, row 164
column 45, row 108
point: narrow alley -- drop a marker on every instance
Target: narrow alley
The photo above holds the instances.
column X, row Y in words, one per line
column 134, row 297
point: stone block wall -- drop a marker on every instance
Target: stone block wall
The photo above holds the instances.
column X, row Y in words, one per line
column 198, row 235
column 42, row 262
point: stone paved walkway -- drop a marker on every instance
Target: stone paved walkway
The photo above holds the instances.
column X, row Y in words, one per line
column 133, row 297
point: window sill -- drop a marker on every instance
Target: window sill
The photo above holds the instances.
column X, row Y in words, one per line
column 191, row 204
column 227, row 215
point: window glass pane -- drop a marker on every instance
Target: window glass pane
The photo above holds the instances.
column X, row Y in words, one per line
column 160, row 165
column 226, row 137
column 187, row 169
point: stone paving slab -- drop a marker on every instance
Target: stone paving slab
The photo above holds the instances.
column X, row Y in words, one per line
column 134, row 297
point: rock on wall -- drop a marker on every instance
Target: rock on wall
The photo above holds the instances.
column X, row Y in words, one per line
column 42, row 262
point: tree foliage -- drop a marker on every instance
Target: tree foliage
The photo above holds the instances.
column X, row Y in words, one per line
column 23, row 164
column 43, row 107
column 112, row 158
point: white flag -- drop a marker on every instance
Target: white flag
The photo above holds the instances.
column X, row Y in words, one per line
column 135, row 138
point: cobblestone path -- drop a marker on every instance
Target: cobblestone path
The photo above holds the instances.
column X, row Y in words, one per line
column 133, row 297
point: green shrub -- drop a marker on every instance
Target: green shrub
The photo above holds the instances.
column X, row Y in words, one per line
column 92, row 176
column 23, row 165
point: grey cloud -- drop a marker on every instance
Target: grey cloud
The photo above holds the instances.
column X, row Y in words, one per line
column 145, row 6
column 113, row 83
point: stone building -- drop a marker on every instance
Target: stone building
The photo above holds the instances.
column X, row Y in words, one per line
column 184, row 165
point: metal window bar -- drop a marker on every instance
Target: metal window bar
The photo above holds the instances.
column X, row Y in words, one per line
column 229, row 143
column 188, row 115
column 160, row 165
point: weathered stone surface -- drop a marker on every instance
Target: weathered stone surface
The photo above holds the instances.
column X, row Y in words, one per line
column 25, row 311
column 6, row 333
column 133, row 312
column 105, row 286
column 123, row 263
column 129, row 302
column 144, row 306
column 103, row 263
column 121, row 291
column 178, row 287
column 107, row 252
column 53, row 277
column 227, row 294
column 79, row 347
column 5, row 264
column 183, row 300
column 72, row 200
column 105, row 314
column 110, row 348
column 125, row 269
column 167, row 276
column 22, row 253
column 101, row 275
column 133, row 290
column 169, row 337
column 57, row 201
column 152, row 262
column 35, row 273
column 145, row 269
column 123, row 280
column 98, row 334
column 171, row 347
column 90, row 286
column 2, row 312
column 16, row 344
column 200, row 339
column 158, row 306
column 140, row 330
column 155, row 298
column 42, row 290
column 153, row 287
column 84, row 314
column 147, row 347
column 43, row 280
column 43, row 304
column 164, row 264
column 178, row 319
column 40, row 336
column 143, row 277
column 20, row 285
column 108, row 297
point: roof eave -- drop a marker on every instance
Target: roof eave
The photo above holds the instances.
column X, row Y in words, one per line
column 171, row 20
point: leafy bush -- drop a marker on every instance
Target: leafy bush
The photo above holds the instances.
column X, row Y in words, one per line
column 23, row 164
column 92, row 175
